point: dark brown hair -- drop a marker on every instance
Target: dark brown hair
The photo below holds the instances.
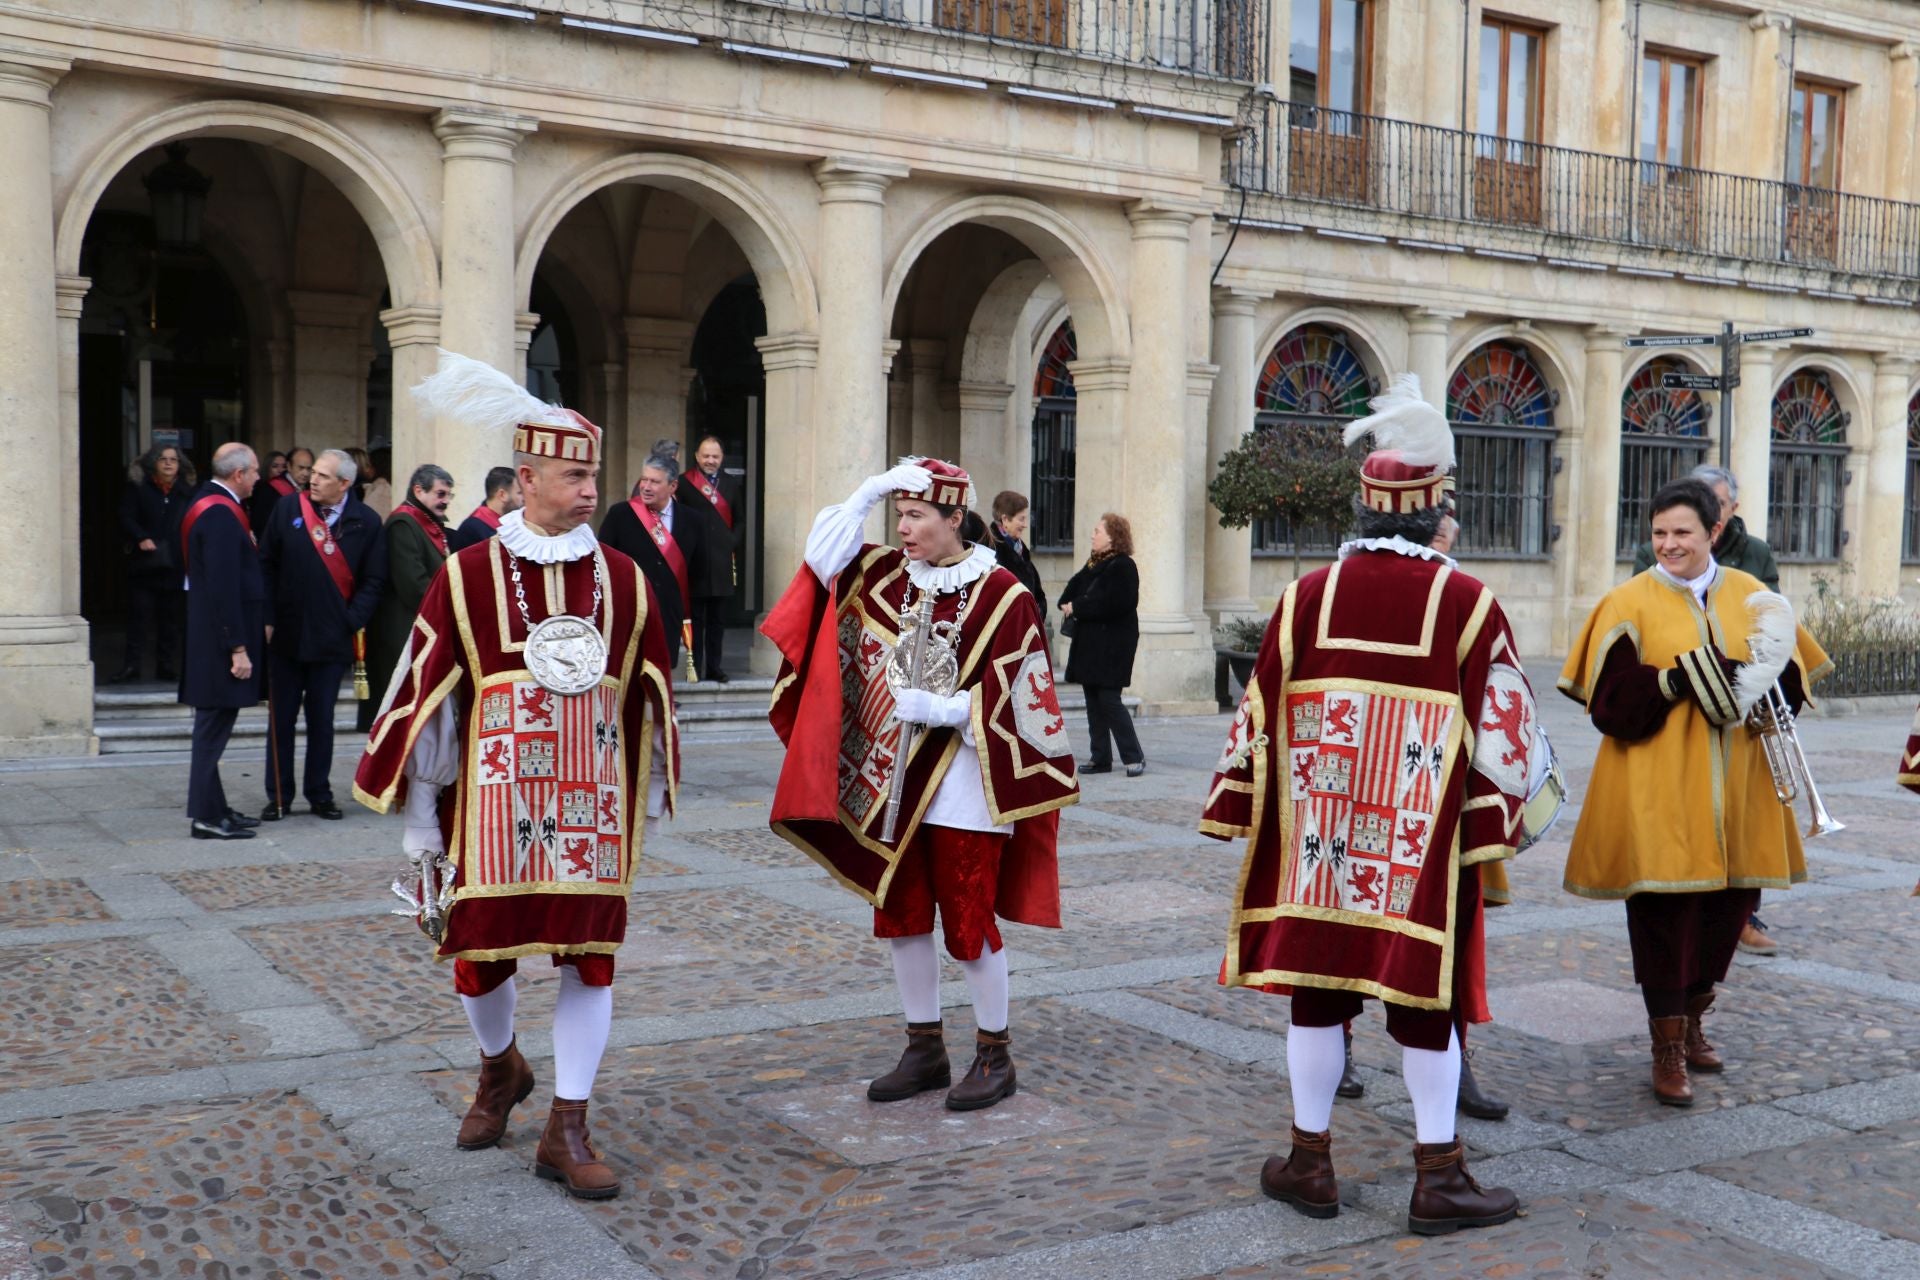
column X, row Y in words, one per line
column 1008, row 504
column 1119, row 536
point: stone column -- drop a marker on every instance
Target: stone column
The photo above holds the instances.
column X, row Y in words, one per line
column 413, row 333
column 793, row 444
column 1903, row 120
column 1751, row 452
column 1613, row 69
column 1174, row 671
column 69, row 297
column 1230, row 415
column 328, row 374
column 851, row 379
column 46, row 680
column 1427, row 332
column 1768, row 88
column 985, row 451
column 1876, row 539
column 1594, row 530
column 478, row 309
column 656, row 399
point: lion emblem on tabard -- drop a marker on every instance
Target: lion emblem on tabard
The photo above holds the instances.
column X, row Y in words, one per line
column 1037, row 717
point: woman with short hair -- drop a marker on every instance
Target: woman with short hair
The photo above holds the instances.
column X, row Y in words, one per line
column 159, row 485
column 1011, row 518
column 1102, row 607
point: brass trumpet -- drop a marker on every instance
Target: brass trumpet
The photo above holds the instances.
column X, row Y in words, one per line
column 1771, row 721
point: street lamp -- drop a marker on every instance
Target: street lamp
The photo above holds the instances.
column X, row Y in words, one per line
column 178, row 193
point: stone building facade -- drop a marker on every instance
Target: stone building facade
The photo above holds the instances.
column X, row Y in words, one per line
column 1084, row 246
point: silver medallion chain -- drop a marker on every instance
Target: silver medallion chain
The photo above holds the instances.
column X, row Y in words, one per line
column 520, row 591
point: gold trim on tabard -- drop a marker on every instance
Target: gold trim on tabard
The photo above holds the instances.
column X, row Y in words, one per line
column 985, row 722
column 417, row 719
column 1686, row 886
column 1420, row 650
column 526, row 949
column 1470, row 636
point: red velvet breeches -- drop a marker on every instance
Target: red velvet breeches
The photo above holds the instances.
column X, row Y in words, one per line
column 958, row 871
column 477, row 977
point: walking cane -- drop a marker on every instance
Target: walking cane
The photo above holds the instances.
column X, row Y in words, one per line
column 273, row 746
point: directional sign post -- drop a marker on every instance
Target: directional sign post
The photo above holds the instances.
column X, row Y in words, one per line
column 1728, row 378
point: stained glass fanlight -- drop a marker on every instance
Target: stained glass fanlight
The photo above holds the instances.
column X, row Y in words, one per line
column 1500, row 386
column 1913, row 421
column 1806, row 411
column 1648, row 409
column 1053, row 379
column 1314, row 372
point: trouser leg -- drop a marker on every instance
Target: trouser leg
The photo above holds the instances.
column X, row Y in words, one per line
column 1120, row 724
column 1663, row 932
column 285, row 690
column 140, row 621
column 1099, row 738
column 206, row 798
column 169, row 628
column 321, row 698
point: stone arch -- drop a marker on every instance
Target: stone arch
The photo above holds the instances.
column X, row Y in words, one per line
column 996, row 340
column 1840, row 375
column 1068, row 253
column 1369, row 343
column 374, row 190
column 1552, row 361
column 769, row 241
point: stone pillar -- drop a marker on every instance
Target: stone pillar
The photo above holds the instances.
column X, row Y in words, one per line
column 1903, row 120
column 478, row 309
column 69, row 297
column 934, row 431
column 1752, row 447
column 656, row 399
column 793, row 444
column 328, row 374
column 1175, row 668
column 1594, row 530
column 1229, row 575
column 46, row 679
column 1768, row 88
column 413, row 333
column 1427, row 331
column 1613, row 70
column 851, row 380
column 1876, row 539
column 985, row 450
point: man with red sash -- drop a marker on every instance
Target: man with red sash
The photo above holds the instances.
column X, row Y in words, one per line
column 713, row 493
column 226, row 606
column 278, row 481
column 324, row 557
column 980, row 788
column 665, row 540
column 503, row 496
column 417, row 546
column 1379, row 756
column 528, row 736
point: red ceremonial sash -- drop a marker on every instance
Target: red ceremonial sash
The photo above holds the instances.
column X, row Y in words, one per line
column 212, row 500
column 327, row 549
column 485, row 515
column 435, row 531
column 663, row 538
column 711, row 492
column 281, row 485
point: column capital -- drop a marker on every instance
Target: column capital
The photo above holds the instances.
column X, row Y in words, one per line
column 1236, row 302
column 889, row 348
column 1778, row 21
column 1156, row 219
column 1893, row 365
column 481, row 135
column 1200, row 376
column 1106, row 374
column 412, row 326
column 1608, row 336
column 524, row 323
column 863, row 179
column 28, row 77
column 69, row 295
column 1904, row 51
column 780, row 352
column 1431, row 319
column 989, row 397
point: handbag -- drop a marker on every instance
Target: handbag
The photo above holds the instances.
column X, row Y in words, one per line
column 1066, row 625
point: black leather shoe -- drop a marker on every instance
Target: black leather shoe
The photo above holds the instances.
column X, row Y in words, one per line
column 221, row 830
column 327, row 809
column 124, row 675
column 1088, row 766
column 235, row 818
column 719, row 677
column 275, row 812
column 1136, row 769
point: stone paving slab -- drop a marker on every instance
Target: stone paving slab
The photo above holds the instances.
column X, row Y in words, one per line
column 1872, row 1178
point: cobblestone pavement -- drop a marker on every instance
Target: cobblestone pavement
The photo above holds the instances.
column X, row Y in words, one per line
column 223, row 1060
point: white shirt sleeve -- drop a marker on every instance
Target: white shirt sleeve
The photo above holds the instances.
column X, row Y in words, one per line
column 657, row 779
column 834, row 541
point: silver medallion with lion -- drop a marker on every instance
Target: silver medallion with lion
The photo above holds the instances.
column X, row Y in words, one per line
column 566, row 654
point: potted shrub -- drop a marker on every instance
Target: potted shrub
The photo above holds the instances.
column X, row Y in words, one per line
column 1286, row 475
column 1238, row 641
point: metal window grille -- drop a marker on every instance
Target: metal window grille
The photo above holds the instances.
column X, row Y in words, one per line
column 1275, row 536
column 1806, row 474
column 1050, row 487
column 1502, row 411
column 1910, row 533
column 1662, row 437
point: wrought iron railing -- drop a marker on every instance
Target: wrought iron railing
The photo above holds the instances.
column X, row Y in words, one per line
column 1865, row 672
column 1396, row 166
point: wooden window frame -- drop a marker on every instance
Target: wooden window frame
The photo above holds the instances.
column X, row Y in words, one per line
column 1811, row 85
column 1323, row 62
column 1668, row 60
column 1506, row 27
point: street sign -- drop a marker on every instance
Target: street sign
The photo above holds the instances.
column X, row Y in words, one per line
column 1677, row 340
column 1689, row 382
column 1775, row 335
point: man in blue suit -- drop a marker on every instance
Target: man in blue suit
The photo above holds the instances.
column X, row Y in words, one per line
column 226, row 617
column 324, row 559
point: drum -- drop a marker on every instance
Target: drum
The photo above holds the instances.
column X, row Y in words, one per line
column 1546, row 792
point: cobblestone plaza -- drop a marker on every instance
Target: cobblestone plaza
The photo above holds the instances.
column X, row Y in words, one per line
column 224, row 1060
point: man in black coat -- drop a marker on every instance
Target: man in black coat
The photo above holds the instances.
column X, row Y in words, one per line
column 503, row 495
column 226, row 619
column 714, row 494
column 324, row 558
column 664, row 540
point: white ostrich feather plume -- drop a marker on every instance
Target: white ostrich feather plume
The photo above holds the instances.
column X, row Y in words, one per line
column 1405, row 423
column 479, row 396
column 1771, row 645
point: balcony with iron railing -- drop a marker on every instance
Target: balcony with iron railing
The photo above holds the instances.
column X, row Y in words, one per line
column 1395, row 176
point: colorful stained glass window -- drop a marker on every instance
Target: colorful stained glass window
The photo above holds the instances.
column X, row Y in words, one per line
column 1052, row 379
column 1499, row 386
column 1314, row 371
column 1663, row 435
column 1910, row 533
column 1806, row 411
column 1502, row 414
column 1647, row 408
column 1806, row 471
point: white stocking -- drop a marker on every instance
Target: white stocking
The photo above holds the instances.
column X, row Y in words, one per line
column 491, row 1017
column 582, row 1017
column 916, row 970
column 1433, row 1082
column 987, row 984
column 1316, row 1058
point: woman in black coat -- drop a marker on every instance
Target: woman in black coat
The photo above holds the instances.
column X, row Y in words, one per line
column 1010, row 520
column 1102, row 606
column 159, row 486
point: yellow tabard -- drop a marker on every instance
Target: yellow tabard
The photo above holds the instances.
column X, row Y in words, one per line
column 1693, row 806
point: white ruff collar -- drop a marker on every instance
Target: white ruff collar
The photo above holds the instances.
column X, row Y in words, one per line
column 543, row 548
column 1399, row 546
column 952, row 577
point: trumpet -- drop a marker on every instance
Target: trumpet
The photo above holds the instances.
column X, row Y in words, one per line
column 1771, row 721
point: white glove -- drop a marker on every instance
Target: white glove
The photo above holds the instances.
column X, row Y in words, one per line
column 917, row 706
column 419, row 840
column 423, row 821
column 908, row 477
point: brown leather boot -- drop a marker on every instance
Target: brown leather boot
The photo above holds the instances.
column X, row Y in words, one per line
column 505, row 1082
column 1305, row 1178
column 990, row 1078
column 1351, row 1085
column 1470, row 1100
column 1701, row 1056
column 566, row 1154
column 1445, row 1196
column 1670, row 1083
column 922, row 1067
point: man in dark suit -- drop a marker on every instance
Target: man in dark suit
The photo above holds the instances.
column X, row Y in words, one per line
column 416, row 544
column 285, row 473
column 663, row 537
column 714, row 494
column 503, row 495
column 324, row 559
column 226, row 616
